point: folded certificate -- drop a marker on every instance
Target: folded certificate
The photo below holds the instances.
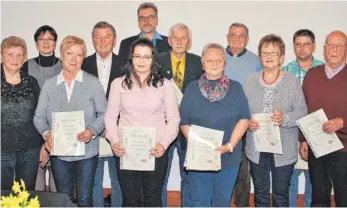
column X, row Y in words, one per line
column 201, row 151
column 320, row 142
column 105, row 149
column 137, row 142
column 65, row 127
column 178, row 92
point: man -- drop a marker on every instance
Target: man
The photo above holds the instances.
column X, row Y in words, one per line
column 239, row 63
column 304, row 46
column 105, row 65
column 147, row 15
column 183, row 68
column 325, row 87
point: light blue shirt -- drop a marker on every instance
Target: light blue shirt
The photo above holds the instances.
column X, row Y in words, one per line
column 156, row 37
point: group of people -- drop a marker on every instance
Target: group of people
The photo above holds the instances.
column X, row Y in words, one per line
column 222, row 90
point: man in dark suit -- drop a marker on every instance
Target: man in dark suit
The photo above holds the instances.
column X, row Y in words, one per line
column 183, row 68
column 105, row 65
column 147, row 15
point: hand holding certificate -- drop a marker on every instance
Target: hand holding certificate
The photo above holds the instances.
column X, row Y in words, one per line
column 201, row 151
column 137, row 143
column 267, row 137
column 65, row 128
column 321, row 143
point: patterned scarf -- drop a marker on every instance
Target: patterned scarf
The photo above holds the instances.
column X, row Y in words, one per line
column 218, row 92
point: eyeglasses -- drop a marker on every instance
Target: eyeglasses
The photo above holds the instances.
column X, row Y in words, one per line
column 176, row 39
column 149, row 18
column 265, row 54
column 233, row 36
column 17, row 56
column 145, row 58
column 305, row 45
column 108, row 37
column 46, row 39
column 216, row 62
column 333, row 46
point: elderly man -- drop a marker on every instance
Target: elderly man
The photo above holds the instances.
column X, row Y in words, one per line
column 325, row 87
column 240, row 62
column 304, row 46
column 147, row 15
column 105, row 65
column 183, row 68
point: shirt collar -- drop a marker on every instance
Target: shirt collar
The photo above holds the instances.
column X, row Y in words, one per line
column 238, row 55
column 79, row 77
column 156, row 36
column 314, row 63
column 337, row 70
column 175, row 59
column 109, row 58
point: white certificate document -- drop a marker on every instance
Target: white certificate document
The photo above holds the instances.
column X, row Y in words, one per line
column 320, row 142
column 178, row 92
column 267, row 138
column 201, row 154
column 105, row 149
column 137, row 142
column 65, row 127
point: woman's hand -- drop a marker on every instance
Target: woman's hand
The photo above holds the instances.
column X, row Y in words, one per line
column 48, row 144
column 44, row 156
column 158, row 150
column 85, row 136
column 277, row 117
column 253, row 125
column 118, row 150
column 223, row 149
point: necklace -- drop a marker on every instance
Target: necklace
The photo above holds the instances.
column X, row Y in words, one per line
column 270, row 83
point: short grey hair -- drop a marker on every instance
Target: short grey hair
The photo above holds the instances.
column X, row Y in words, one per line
column 104, row 24
column 147, row 5
column 180, row 26
column 238, row 24
column 214, row 46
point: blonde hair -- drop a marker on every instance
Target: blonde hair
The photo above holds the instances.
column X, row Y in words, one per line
column 70, row 41
column 14, row 41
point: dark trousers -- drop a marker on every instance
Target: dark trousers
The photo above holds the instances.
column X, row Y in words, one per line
column 146, row 186
column 325, row 171
column 19, row 165
column 243, row 184
column 76, row 174
column 280, row 181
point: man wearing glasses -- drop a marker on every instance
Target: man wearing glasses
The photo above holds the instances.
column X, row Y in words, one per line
column 147, row 14
column 240, row 62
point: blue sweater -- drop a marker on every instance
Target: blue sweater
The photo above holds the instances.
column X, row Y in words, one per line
column 221, row 115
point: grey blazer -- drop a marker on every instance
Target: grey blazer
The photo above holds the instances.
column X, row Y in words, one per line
column 289, row 99
column 87, row 96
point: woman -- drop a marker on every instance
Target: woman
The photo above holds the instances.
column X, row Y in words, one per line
column 73, row 90
column 142, row 98
column 20, row 142
column 279, row 93
column 215, row 102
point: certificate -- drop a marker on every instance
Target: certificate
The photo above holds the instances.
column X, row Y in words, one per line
column 65, row 127
column 320, row 142
column 105, row 149
column 267, row 138
column 201, row 151
column 178, row 92
column 137, row 142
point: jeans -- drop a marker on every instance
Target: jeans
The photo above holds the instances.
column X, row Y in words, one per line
column 208, row 189
column 98, row 192
column 76, row 174
column 19, row 165
column 293, row 188
column 184, row 180
column 280, row 181
column 143, row 187
column 325, row 171
column 41, row 179
column 243, row 184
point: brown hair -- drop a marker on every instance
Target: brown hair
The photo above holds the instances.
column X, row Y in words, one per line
column 273, row 39
column 14, row 41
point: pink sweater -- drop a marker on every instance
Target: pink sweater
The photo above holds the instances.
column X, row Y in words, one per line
column 147, row 107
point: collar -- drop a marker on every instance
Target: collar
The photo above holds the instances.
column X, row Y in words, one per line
column 337, row 70
column 175, row 59
column 108, row 59
column 156, row 36
column 238, row 55
column 79, row 77
column 314, row 63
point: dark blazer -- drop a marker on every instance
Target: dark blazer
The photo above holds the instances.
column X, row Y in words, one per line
column 90, row 65
column 161, row 46
column 192, row 71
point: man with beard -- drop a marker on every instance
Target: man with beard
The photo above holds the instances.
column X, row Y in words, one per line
column 304, row 45
column 147, row 15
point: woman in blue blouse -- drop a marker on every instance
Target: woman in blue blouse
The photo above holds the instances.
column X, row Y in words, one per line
column 215, row 102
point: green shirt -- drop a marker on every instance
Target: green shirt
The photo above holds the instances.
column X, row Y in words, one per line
column 299, row 72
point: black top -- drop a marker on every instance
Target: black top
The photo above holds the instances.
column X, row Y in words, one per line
column 18, row 104
column 44, row 61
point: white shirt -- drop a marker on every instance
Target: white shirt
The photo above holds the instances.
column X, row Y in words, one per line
column 104, row 70
column 60, row 79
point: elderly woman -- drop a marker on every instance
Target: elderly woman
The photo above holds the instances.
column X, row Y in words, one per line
column 73, row 90
column 215, row 102
column 279, row 93
column 142, row 98
column 20, row 142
